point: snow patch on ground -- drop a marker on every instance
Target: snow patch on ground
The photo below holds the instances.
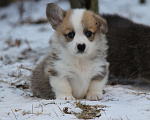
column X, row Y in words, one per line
column 24, row 45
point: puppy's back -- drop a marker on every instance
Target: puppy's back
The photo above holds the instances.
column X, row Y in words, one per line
column 129, row 48
column 40, row 85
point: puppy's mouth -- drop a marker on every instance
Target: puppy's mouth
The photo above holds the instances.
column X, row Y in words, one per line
column 81, row 52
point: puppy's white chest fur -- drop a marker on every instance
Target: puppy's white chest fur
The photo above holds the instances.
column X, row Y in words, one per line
column 79, row 73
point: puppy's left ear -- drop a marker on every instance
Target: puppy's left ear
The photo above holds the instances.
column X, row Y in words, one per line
column 55, row 15
column 102, row 23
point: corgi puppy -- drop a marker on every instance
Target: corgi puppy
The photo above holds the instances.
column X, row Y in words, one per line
column 76, row 66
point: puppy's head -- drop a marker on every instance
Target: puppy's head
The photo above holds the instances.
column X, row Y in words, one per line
column 79, row 31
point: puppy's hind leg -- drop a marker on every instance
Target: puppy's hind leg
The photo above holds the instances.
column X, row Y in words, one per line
column 39, row 85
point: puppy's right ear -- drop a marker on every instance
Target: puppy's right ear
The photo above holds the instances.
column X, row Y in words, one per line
column 55, row 15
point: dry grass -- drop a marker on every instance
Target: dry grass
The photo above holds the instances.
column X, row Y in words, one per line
column 30, row 21
column 139, row 93
column 41, row 112
column 22, row 67
column 88, row 111
column 12, row 43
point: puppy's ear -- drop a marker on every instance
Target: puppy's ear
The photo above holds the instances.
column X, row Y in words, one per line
column 102, row 23
column 55, row 15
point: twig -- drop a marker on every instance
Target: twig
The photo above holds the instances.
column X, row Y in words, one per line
column 29, row 47
column 32, row 108
column 106, row 115
column 127, row 117
column 25, row 68
column 56, row 113
column 14, row 114
column 1, row 81
column 60, row 110
column 42, row 109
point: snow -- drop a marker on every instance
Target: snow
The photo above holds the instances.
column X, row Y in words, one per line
column 123, row 102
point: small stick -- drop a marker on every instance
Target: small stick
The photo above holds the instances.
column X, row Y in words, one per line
column 42, row 109
column 25, row 68
column 32, row 108
column 60, row 110
column 14, row 114
column 56, row 113
column 28, row 44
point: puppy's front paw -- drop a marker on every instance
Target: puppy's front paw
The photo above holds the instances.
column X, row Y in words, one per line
column 94, row 96
column 65, row 97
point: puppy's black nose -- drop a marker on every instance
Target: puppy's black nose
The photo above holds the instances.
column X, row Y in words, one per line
column 81, row 47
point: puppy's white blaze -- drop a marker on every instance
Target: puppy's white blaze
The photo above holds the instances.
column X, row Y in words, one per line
column 76, row 19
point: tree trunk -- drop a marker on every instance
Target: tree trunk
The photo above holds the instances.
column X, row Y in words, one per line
column 88, row 4
column 142, row 1
column 94, row 6
column 5, row 2
column 75, row 3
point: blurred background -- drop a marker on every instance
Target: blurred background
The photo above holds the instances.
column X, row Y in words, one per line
column 25, row 33
column 25, row 37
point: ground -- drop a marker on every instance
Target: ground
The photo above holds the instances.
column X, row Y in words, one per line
column 24, row 41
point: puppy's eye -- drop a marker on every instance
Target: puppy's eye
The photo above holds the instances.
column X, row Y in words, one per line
column 71, row 34
column 88, row 33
